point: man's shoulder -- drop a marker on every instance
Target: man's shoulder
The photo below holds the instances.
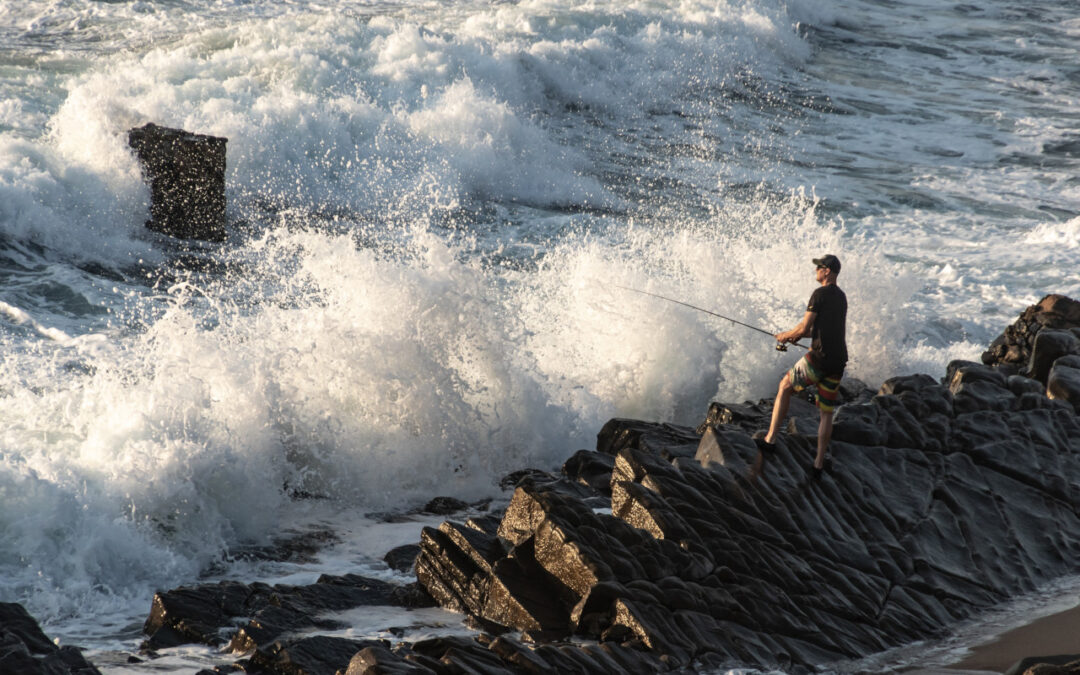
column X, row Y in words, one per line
column 826, row 294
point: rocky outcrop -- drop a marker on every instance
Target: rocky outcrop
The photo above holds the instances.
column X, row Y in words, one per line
column 945, row 498
column 186, row 173
column 25, row 649
column 1044, row 332
column 680, row 548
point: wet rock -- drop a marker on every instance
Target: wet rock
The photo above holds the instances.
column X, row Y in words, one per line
column 1014, row 345
column 1063, row 381
column 186, row 173
column 26, row 650
column 444, row 506
column 210, row 614
column 317, row 655
column 402, row 558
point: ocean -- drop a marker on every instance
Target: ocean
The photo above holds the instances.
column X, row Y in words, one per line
column 433, row 205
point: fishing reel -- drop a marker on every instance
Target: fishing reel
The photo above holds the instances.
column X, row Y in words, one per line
column 781, row 346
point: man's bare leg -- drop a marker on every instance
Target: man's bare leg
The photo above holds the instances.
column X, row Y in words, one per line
column 780, row 408
column 824, row 434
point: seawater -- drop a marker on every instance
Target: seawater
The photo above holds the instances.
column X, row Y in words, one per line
column 433, row 205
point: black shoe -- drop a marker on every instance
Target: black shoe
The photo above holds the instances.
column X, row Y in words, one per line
column 765, row 446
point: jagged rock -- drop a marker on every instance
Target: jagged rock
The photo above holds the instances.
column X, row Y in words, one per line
column 1014, row 345
column 26, row 650
column 186, row 172
column 1063, row 381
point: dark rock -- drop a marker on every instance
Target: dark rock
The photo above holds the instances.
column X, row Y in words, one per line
column 1063, row 382
column 209, row 614
column 402, row 558
column 187, row 181
column 196, row 614
column 1014, row 346
column 592, row 469
column 26, row 650
column 411, row 596
column 379, row 660
column 1049, row 346
column 444, row 506
column 746, row 416
column 727, row 448
column 979, row 387
column 317, row 655
column 854, row 390
column 668, row 440
column 511, row 480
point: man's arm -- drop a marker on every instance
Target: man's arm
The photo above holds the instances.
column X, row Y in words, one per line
column 797, row 333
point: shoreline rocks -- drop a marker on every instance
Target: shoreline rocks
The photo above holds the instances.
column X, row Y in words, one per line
column 674, row 548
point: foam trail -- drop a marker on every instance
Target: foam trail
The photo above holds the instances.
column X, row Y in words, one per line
column 20, row 317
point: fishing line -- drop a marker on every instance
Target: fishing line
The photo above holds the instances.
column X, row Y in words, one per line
column 780, row 346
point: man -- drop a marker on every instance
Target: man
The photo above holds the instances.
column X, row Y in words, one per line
column 823, row 366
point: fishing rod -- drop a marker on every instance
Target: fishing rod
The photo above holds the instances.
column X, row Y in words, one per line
column 780, row 346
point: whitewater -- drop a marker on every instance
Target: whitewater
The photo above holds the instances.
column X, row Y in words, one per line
column 432, row 205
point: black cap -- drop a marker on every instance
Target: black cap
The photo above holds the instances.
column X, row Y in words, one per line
column 830, row 261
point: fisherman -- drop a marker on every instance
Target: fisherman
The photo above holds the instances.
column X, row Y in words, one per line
column 822, row 366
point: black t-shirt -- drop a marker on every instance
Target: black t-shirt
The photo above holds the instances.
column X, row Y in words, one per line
column 828, row 346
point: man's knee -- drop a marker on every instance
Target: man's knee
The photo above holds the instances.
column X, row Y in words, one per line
column 785, row 384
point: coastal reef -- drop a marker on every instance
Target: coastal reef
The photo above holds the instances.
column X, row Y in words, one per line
column 672, row 548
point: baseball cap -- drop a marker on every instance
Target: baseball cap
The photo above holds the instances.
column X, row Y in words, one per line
column 830, row 261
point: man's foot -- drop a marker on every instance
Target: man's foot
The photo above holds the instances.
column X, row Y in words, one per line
column 764, row 446
column 815, row 472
